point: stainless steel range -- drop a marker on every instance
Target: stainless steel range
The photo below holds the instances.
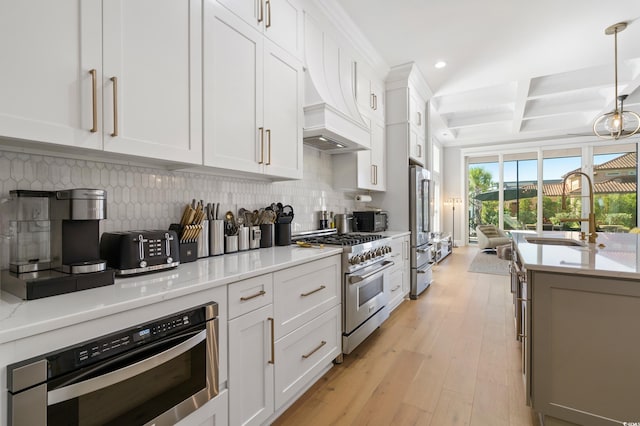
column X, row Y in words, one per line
column 365, row 261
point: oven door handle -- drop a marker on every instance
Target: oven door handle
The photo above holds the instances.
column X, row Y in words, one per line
column 82, row 388
column 359, row 278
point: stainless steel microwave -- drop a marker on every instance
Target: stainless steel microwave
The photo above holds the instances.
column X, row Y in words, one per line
column 152, row 374
column 371, row 221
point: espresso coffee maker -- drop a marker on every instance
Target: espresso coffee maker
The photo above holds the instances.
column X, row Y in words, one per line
column 55, row 243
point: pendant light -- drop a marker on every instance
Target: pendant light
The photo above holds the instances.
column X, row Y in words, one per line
column 618, row 123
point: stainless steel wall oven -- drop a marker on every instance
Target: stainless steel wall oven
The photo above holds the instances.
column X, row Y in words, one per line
column 154, row 373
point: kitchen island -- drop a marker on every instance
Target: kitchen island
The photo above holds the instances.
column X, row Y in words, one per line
column 580, row 306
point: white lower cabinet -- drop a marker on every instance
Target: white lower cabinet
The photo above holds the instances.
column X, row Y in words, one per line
column 213, row 413
column 285, row 332
column 302, row 354
column 399, row 274
column 251, row 367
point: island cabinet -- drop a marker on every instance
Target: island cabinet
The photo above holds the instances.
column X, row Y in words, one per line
column 104, row 76
column 252, row 92
column 583, row 348
column 284, row 332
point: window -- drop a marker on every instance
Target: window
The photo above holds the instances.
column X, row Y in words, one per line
column 520, row 192
column 614, row 187
column 482, row 198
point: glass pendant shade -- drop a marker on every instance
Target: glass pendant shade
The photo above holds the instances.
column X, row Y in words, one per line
column 618, row 123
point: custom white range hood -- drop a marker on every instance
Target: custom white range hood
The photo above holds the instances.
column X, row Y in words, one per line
column 332, row 122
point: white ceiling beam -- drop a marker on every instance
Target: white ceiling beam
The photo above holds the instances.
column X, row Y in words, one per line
column 522, row 92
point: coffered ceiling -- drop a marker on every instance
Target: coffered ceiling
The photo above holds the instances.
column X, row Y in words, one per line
column 516, row 70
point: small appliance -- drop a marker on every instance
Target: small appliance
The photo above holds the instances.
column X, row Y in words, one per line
column 371, row 221
column 154, row 373
column 139, row 252
column 55, row 242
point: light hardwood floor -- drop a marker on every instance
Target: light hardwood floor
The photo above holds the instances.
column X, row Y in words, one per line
column 448, row 358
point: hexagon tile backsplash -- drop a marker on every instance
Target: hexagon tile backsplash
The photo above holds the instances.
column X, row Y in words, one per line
column 148, row 198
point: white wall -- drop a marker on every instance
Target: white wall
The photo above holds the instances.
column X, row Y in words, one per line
column 452, row 187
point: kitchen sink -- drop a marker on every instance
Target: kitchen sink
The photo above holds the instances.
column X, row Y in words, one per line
column 555, row 241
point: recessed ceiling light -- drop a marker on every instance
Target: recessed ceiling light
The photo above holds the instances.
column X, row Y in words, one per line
column 440, row 64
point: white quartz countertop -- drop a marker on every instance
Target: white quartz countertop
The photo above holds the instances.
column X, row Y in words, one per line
column 20, row 318
column 613, row 254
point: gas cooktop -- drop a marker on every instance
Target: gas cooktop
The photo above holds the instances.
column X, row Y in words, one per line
column 350, row 239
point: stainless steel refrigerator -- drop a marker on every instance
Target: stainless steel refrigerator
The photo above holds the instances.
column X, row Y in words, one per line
column 420, row 226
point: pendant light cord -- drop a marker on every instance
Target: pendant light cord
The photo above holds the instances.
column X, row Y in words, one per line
column 615, row 50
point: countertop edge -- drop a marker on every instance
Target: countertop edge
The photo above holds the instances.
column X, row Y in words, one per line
column 190, row 285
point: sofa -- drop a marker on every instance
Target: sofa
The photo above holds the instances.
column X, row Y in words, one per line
column 490, row 237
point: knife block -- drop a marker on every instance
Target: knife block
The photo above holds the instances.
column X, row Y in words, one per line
column 188, row 250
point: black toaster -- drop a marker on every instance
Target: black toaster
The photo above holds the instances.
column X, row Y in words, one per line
column 139, row 252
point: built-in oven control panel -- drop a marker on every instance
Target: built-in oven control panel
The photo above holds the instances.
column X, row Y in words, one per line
column 112, row 344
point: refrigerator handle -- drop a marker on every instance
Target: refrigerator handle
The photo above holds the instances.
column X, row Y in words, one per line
column 425, row 201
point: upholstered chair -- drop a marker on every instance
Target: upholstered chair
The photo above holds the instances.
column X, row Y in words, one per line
column 490, row 236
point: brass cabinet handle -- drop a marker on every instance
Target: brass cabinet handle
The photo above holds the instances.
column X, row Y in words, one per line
column 315, row 350
column 322, row 287
column 372, row 96
column 94, row 100
column 268, row 24
column 375, row 102
column 375, row 174
column 261, row 11
column 261, row 145
column 115, row 106
column 395, row 288
column 268, row 132
column 253, row 296
column 373, row 178
column 419, row 150
column 273, row 343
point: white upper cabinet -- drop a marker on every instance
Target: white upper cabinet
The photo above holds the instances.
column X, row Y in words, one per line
column 104, row 75
column 279, row 20
column 369, row 92
column 252, row 100
column 283, row 119
column 152, row 82
column 46, row 90
column 371, row 164
column 417, row 108
column 233, row 90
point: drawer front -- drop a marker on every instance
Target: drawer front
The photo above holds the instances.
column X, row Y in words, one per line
column 247, row 295
column 301, row 355
column 395, row 288
column 304, row 292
